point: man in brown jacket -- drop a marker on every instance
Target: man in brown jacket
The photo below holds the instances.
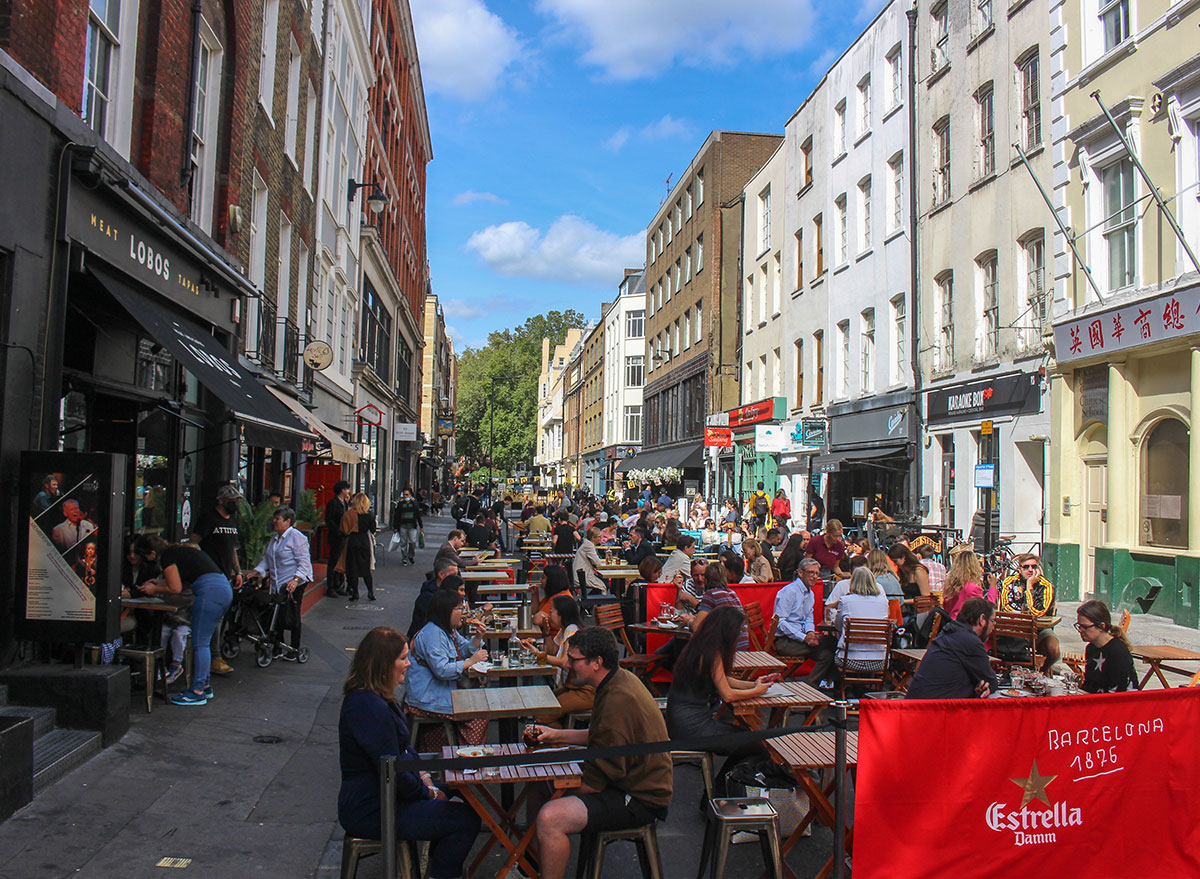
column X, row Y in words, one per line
column 617, row 792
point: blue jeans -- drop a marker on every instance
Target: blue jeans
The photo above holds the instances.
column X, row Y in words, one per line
column 450, row 827
column 213, row 597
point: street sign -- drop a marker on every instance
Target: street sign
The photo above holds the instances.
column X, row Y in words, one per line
column 985, row 428
column 985, row 475
column 718, row 419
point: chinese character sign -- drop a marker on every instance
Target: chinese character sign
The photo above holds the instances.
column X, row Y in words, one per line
column 1168, row 316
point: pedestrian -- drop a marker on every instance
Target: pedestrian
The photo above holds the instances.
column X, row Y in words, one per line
column 334, row 510
column 287, row 566
column 217, row 534
column 406, row 522
column 358, row 527
column 758, row 508
column 185, row 566
column 781, row 512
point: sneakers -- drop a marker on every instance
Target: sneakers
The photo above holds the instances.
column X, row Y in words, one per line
column 174, row 672
column 221, row 667
column 208, row 693
column 189, row 697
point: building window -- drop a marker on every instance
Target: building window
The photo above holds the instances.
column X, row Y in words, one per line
column 864, row 212
column 700, row 187
column 103, row 28
column 670, row 230
column 687, row 203
column 266, row 59
column 633, row 424
column 659, row 240
column 203, row 158
column 310, row 129
column 678, row 274
column 1034, row 255
column 940, row 38
column 839, row 128
column 900, row 346
column 687, row 329
column 868, row 350
column 1114, row 17
column 1164, row 485
column 697, row 327
column 983, row 15
column 375, row 342
column 1031, row 101
column 989, row 342
column 944, row 358
column 635, row 371
column 895, row 68
column 699, row 254
column 799, row 259
column 799, row 402
column 806, row 149
column 404, row 356
column 258, row 229
column 819, row 367
column 843, row 231
column 764, row 220
column 896, row 184
column 985, row 104
column 1120, row 224
column 687, row 266
column 635, row 324
column 941, row 161
column 291, row 122
column 677, row 215
column 762, row 377
column 820, row 246
column 843, row 373
column 864, row 105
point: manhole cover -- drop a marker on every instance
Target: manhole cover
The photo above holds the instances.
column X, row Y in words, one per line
column 363, row 608
column 268, row 740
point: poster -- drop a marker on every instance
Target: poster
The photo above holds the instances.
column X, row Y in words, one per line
column 72, row 505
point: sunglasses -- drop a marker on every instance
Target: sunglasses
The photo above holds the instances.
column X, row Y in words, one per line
column 1030, row 567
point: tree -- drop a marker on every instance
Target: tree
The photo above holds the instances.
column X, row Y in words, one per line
column 499, row 381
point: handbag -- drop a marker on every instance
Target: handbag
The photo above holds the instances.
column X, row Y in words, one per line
column 394, row 543
column 420, row 540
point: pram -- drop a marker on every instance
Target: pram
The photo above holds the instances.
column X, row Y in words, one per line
column 256, row 614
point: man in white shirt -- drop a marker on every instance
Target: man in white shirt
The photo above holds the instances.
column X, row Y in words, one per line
column 680, row 559
column 73, row 529
column 797, row 635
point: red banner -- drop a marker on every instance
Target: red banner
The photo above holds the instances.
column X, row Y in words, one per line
column 718, row 436
column 1064, row 787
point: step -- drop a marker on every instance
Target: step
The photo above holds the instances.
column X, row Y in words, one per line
column 58, row 752
column 43, row 718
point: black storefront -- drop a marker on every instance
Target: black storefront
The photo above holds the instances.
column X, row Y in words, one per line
column 872, row 444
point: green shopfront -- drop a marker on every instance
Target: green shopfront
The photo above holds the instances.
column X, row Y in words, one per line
column 751, row 464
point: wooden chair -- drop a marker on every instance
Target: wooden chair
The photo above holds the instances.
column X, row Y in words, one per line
column 924, row 603
column 1022, row 628
column 1195, row 681
column 643, row 665
column 1126, row 619
column 938, row 619
column 869, row 633
column 755, row 624
column 791, row 663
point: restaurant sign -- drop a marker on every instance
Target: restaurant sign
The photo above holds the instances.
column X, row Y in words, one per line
column 771, row 409
column 718, row 437
column 1018, row 394
column 1168, row 316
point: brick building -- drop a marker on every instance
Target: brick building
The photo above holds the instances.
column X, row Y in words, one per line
column 591, row 445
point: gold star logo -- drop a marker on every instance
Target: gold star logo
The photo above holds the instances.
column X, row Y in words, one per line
column 1034, row 786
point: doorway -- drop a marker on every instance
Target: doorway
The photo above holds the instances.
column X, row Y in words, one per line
column 1095, row 512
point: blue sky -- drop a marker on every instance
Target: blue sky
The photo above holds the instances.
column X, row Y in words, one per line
column 556, row 122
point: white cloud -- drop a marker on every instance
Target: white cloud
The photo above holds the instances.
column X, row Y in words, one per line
column 629, row 39
column 619, row 139
column 471, row 195
column 464, row 47
column 465, row 309
column 661, row 129
column 572, row 250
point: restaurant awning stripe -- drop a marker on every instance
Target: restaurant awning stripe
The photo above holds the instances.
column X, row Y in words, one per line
column 340, row 450
column 688, row 455
column 266, row 420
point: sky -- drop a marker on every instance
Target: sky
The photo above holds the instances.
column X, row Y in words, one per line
column 555, row 124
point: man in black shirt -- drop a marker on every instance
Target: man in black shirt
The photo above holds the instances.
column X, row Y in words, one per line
column 481, row 535
column 334, row 510
column 217, row 534
column 956, row 665
column 564, row 534
column 471, row 506
column 638, row 547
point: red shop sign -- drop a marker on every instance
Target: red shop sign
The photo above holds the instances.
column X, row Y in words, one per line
column 752, row 413
column 718, row 436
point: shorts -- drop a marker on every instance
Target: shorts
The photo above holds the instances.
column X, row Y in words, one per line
column 613, row 809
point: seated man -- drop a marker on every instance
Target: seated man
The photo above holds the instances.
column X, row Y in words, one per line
column 956, row 665
column 797, row 635
column 455, row 541
column 1028, row 591
column 617, row 793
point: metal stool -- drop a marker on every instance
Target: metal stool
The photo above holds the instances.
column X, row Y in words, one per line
column 355, row 849
column 151, row 659
column 700, row 759
column 740, row 813
column 414, row 729
column 592, row 845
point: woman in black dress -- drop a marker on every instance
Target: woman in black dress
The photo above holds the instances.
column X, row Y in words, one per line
column 359, row 526
column 1108, row 663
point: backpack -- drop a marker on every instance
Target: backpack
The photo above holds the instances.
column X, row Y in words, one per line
column 761, row 507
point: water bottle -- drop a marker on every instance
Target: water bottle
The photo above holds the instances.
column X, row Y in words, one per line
column 514, row 651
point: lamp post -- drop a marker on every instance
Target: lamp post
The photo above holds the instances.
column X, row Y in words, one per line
column 492, row 423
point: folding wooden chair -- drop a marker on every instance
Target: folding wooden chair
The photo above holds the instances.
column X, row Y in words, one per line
column 1021, row 628
column 874, row 634
column 643, row 665
column 755, row 624
column 924, row 603
column 791, row 663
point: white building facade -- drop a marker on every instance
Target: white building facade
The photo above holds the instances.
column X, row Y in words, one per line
column 624, row 321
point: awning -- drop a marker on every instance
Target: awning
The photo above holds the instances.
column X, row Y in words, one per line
column 832, row 463
column 336, row 447
column 266, row 421
column 689, row 455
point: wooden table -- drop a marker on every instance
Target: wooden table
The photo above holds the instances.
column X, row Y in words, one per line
column 501, row 821
column 512, row 673
column 909, row 661
column 504, row 634
column 801, row 752
column 655, row 629
column 1157, row 657
column 486, row 576
column 747, row 662
column 496, row 586
column 798, row 695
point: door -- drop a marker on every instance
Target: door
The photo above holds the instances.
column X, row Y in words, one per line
column 1095, row 522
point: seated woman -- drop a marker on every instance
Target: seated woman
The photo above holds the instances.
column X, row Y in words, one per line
column 881, row 569
column 371, row 726
column 702, row 682
column 554, row 582
column 863, row 600
column 757, row 565
column 709, row 535
column 441, row 656
column 1108, row 663
column 564, row 616
column 789, row 559
column 963, row 581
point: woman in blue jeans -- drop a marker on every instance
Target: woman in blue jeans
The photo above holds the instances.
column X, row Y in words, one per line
column 186, row 567
column 372, row 725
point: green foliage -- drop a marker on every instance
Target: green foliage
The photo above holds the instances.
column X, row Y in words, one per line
column 255, row 529
column 307, row 513
column 497, row 384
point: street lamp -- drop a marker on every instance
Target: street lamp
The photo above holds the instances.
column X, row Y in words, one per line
column 492, row 422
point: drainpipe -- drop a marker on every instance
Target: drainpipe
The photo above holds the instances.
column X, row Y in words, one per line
column 914, row 337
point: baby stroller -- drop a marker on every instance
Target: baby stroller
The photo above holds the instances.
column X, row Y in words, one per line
column 255, row 617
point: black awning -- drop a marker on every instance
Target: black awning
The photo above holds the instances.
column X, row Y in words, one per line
column 832, row 463
column 267, row 421
column 683, row 457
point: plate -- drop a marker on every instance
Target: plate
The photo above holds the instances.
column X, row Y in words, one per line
column 667, row 625
column 474, row 751
column 1013, row 692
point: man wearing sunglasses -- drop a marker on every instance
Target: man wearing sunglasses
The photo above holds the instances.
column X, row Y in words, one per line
column 617, row 793
column 1028, row 591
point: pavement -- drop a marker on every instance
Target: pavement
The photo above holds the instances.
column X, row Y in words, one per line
column 191, row 783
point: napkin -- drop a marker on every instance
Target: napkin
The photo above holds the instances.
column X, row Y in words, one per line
column 482, row 667
column 777, row 689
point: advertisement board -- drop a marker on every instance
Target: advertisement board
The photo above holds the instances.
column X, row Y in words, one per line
column 72, row 505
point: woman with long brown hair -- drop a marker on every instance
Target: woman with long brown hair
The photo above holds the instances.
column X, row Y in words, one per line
column 913, row 577
column 962, row 582
column 1108, row 664
column 372, row 726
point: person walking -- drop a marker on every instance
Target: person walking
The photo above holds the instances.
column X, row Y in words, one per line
column 287, row 565
column 406, row 522
column 358, row 527
column 335, row 580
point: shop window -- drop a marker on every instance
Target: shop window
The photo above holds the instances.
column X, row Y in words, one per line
column 1163, row 504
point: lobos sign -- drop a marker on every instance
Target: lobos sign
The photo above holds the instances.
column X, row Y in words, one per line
column 1080, row 783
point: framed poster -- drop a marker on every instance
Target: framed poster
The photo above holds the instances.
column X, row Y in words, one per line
column 72, row 505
